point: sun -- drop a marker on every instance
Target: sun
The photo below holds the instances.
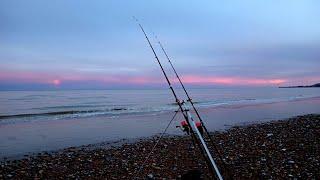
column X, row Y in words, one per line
column 56, row 82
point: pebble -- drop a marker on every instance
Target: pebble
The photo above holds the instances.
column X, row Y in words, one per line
column 150, row 176
column 290, row 146
column 269, row 134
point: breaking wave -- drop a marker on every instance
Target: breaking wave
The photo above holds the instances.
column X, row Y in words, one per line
column 72, row 111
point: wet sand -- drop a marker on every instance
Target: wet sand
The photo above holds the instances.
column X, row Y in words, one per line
column 286, row 148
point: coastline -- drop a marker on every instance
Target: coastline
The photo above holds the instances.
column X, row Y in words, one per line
column 286, row 148
column 32, row 136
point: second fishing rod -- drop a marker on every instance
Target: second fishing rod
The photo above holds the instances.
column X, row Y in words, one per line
column 194, row 108
column 200, row 142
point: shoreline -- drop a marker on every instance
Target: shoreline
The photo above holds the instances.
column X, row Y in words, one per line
column 287, row 148
column 18, row 139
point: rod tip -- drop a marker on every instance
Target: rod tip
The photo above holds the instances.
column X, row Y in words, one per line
column 135, row 18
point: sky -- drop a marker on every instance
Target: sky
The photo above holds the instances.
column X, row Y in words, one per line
column 96, row 44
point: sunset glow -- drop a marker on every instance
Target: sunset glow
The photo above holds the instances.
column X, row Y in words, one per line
column 44, row 78
column 255, row 44
column 56, row 82
column 231, row 80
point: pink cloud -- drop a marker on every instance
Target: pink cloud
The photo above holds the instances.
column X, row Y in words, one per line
column 65, row 77
column 57, row 79
column 195, row 79
column 27, row 77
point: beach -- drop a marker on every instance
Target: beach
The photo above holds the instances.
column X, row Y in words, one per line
column 124, row 90
column 287, row 148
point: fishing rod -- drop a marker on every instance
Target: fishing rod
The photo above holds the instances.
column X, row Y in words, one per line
column 191, row 102
column 207, row 156
column 185, row 90
column 175, row 96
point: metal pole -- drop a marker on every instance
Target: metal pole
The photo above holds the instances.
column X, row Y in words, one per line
column 204, row 144
column 185, row 90
column 177, row 100
column 194, row 108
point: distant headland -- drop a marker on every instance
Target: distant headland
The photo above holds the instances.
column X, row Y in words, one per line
column 311, row 86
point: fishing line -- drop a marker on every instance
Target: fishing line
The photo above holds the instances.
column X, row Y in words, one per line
column 192, row 104
column 187, row 116
column 154, row 147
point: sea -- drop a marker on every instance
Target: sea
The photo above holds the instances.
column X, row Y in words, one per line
column 35, row 121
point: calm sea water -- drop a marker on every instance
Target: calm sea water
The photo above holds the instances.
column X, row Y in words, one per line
column 33, row 121
column 18, row 106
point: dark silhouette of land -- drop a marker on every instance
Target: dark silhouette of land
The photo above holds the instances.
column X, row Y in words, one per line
column 311, row 86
